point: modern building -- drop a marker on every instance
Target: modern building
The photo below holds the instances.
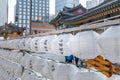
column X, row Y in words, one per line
column 60, row 4
column 3, row 12
column 39, row 10
column 93, row 3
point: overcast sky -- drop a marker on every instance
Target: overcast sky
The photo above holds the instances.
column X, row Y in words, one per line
column 13, row 2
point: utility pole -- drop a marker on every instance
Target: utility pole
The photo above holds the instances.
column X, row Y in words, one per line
column 5, row 31
column 30, row 17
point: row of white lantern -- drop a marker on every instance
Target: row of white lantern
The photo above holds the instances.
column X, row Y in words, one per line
column 87, row 44
column 64, row 44
column 11, row 67
column 57, row 71
column 48, row 68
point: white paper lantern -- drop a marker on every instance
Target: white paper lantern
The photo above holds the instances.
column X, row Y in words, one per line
column 21, row 44
column 27, row 44
column 48, row 69
column 59, row 45
column 38, row 65
column 109, row 44
column 18, row 70
column 84, row 44
column 42, row 44
column 15, row 44
column 46, row 43
column 9, row 44
column 4, row 44
column 34, row 44
column 61, row 72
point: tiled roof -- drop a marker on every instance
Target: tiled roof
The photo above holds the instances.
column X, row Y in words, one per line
column 11, row 27
column 91, row 10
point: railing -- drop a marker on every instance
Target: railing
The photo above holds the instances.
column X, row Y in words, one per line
column 93, row 25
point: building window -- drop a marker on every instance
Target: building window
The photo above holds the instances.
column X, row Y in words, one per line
column 20, row 16
column 28, row 25
column 36, row 1
column 20, row 9
column 28, row 10
column 20, row 5
column 36, row 11
column 28, row 21
column 28, row 17
column 36, row 17
column 28, row 7
column 40, row 18
column 20, row 21
column 24, row 17
column 32, row 17
column 28, row 3
column 24, row 21
column 20, row 12
column 39, row 11
column 43, row 2
column 19, row 25
column 24, row 9
column 24, row 6
column 40, row 14
column 24, row 25
column 36, row 4
column 28, row 13
column 20, row 2
column 24, row 12
column 24, row 3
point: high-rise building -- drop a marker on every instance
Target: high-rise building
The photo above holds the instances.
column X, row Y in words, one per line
column 60, row 4
column 39, row 10
column 3, row 12
column 93, row 3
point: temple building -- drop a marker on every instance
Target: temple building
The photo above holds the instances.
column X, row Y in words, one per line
column 11, row 31
column 74, row 17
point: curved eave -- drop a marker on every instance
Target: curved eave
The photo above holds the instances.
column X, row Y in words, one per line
column 90, row 18
column 77, row 7
column 56, row 18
